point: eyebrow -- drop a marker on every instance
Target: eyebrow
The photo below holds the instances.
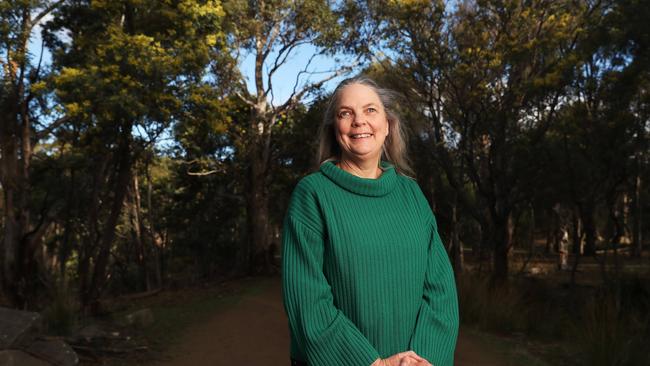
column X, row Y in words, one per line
column 364, row 106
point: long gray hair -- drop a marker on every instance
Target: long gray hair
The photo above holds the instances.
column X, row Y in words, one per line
column 394, row 149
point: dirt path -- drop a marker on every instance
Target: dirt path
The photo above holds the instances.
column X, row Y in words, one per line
column 253, row 331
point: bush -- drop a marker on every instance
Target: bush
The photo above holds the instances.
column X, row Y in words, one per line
column 59, row 315
column 498, row 308
column 610, row 334
column 606, row 326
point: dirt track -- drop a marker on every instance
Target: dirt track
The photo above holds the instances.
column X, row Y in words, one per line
column 253, row 331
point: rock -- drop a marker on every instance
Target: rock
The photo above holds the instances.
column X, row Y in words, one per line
column 19, row 358
column 140, row 318
column 57, row 352
column 18, row 327
column 90, row 332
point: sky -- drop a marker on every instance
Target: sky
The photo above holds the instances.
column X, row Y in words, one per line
column 285, row 78
column 283, row 81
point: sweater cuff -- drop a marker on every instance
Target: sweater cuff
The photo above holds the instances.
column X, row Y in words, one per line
column 342, row 345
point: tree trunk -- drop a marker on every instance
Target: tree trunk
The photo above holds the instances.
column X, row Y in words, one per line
column 88, row 247
column 551, row 234
column 456, row 245
column 587, row 215
column 119, row 189
column 138, row 236
column 501, row 239
column 258, row 216
column 576, row 236
column 155, row 240
column 15, row 158
column 577, row 243
column 637, row 238
column 486, row 245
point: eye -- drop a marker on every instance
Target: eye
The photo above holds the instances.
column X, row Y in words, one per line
column 371, row 110
column 344, row 114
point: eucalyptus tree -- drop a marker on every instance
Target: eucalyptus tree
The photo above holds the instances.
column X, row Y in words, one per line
column 272, row 32
column 512, row 62
column 24, row 123
column 489, row 76
column 623, row 45
column 605, row 124
column 126, row 71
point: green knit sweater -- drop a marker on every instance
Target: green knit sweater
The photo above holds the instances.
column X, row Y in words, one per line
column 365, row 274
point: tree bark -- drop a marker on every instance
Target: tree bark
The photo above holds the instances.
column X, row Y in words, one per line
column 90, row 300
column 458, row 259
column 576, row 233
column 501, row 239
column 15, row 156
column 637, row 238
column 256, row 255
column 138, row 236
column 587, row 214
column 155, row 240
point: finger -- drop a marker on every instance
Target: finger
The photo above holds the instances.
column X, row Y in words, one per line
column 411, row 354
column 406, row 361
column 414, row 361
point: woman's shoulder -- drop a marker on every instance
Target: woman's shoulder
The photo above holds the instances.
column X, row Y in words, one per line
column 310, row 183
column 308, row 189
column 304, row 205
column 411, row 187
column 410, row 184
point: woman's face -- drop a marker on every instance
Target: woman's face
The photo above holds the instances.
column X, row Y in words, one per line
column 361, row 123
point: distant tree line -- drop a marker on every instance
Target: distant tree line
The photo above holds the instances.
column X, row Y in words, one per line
column 138, row 157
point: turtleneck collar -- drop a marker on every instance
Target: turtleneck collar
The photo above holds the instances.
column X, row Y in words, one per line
column 381, row 186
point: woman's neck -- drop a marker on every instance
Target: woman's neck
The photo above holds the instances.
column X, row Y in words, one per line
column 363, row 169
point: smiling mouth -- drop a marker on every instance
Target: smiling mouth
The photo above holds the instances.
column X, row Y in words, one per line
column 360, row 135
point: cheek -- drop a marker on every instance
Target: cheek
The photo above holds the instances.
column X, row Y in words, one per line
column 339, row 135
column 385, row 128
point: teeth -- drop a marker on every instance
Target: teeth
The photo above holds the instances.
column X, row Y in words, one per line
column 361, row 135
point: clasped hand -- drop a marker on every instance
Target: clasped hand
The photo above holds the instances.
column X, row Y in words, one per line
column 408, row 358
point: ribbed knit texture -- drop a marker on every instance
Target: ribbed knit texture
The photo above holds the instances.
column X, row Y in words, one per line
column 365, row 274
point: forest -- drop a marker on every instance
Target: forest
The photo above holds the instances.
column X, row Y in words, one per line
column 137, row 153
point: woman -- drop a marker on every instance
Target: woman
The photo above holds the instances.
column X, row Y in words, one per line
column 366, row 279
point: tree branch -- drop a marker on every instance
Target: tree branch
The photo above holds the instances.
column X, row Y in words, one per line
column 51, row 127
column 244, row 99
column 295, row 97
column 281, row 59
column 44, row 13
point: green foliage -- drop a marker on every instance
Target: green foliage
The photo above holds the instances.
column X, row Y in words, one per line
column 61, row 313
column 132, row 61
column 310, row 21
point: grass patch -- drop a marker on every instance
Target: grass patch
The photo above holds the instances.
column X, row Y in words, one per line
column 495, row 308
column 175, row 312
column 60, row 314
column 513, row 350
column 608, row 333
column 172, row 320
column 563, row 325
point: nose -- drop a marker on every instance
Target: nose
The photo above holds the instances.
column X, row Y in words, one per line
column 358, row 120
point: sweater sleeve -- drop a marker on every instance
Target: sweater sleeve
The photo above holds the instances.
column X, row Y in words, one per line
column 324, row 333
column 436, row 329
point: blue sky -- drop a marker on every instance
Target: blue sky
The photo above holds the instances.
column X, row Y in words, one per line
column 283, row 80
